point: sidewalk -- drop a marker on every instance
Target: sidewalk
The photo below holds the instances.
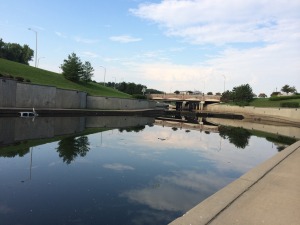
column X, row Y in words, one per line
column 268, row 194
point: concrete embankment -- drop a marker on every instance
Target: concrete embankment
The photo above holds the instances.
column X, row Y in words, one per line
column 286, row 130
column 267, row 194
column 283, row 115
column 14, row 94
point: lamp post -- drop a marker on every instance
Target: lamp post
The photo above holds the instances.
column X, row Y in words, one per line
column 39, row 60
column 115, row 82
column 224, row 81
column 35, row 45
column 104, row 74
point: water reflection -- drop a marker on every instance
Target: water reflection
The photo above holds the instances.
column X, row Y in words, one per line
column 188, row 186
column 71, row 147
column 236, row 135
column 144, row 170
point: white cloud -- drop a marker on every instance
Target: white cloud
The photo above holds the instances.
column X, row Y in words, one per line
column 90, row 54
column 117, row 167
column 219, row 22
column 59, row 34
column 256, row 42
column 124, row 39
column 86, row 40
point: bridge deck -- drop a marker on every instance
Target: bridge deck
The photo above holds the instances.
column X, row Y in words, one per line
column 189, row 98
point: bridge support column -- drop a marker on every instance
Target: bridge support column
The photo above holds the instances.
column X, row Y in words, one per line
column 178, row 106
column 201, row 105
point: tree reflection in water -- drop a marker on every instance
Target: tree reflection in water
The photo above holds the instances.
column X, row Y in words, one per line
column 236, row 135
column 133, row 129
column 72, row 147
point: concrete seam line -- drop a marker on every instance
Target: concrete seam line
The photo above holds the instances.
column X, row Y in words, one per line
column 247, row 189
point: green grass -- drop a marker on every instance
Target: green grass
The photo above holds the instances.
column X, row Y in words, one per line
column 44, row 77
column 265, row 102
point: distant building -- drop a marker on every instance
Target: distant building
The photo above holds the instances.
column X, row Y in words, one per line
column 262, row 95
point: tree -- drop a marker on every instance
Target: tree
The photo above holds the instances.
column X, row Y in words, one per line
column 15, row 52
column 209, row 93
column 242, row 93
column 87, row 72
column 226, row 96
column 27, row 54
column 288, row 89
column 154, row 91
column 177, row 92
column 72, row 68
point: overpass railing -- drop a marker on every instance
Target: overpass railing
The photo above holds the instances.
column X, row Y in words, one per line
column 171, row 96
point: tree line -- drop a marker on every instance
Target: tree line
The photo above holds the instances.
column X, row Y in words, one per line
column 15, row 52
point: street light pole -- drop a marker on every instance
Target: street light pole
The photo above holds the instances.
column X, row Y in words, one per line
column 115, row 82
column 224, row 81
column 36, row 41
column 39, row 61
column 104, row 73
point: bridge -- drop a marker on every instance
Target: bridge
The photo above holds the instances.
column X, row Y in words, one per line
column 193, row 102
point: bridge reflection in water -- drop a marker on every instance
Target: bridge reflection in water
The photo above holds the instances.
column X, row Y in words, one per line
column 186, row 123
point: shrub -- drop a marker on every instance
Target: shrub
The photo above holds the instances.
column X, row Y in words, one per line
column 139, row 96
column 289, row 104
column 20, row 79
column 27, row 80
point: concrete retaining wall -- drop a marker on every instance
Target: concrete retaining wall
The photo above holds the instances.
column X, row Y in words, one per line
column 97, row 102
column 69, row 99
column 271, row 114
column 8, row 93
column 29, row 96
column 24, row 95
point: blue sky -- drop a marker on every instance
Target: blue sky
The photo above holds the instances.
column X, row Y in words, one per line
column 165, row 44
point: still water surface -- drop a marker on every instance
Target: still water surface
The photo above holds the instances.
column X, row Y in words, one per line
column 149, row 174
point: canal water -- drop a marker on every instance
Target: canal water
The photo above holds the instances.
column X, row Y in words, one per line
column 119, row 170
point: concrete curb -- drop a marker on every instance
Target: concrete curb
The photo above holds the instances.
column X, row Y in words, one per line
column 208, row 210
column 81, row 112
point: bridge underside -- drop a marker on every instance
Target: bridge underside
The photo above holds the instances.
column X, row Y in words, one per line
column 190, row 104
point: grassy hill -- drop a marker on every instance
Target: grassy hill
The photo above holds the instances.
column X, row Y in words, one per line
column 266, row 102
column 44, row 77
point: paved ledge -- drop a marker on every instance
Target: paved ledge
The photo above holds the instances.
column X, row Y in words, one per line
column 267, row 194
column 81, row 112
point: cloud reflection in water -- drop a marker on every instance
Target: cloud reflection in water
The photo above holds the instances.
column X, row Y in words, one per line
column 178, row 192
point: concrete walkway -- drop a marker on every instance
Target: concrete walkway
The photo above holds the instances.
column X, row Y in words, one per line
column 268, row 194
